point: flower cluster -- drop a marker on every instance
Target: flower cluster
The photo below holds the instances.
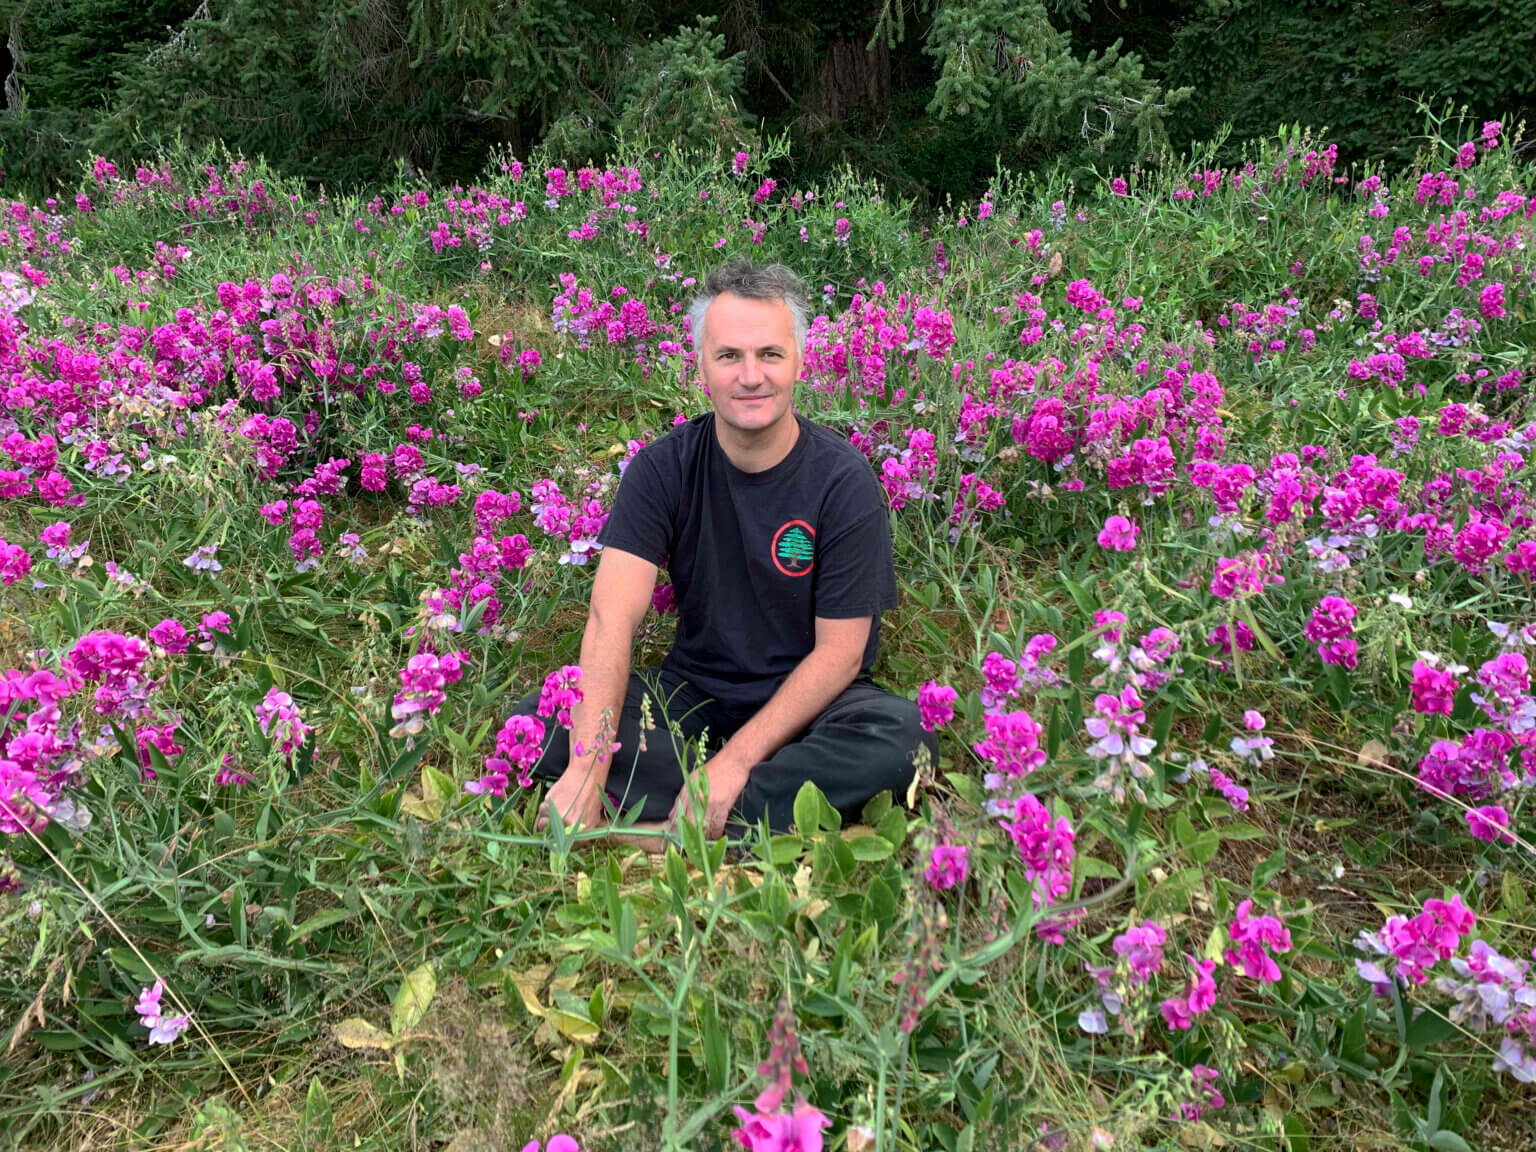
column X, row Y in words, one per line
column 519, row 745
column 281, row 722
column 1253, row 938
column 421, row 694
column 1332, row 627
column 162, row 1028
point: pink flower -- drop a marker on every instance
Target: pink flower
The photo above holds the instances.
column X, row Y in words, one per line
column 1012, row 743
column 170, row 635
column 797, row 1131
column 1434, row 690
column 162, row 1029
column 280, row 720
column 1141, row 947
column 1243, row 575
column 1198, row 996
column 1490, row 823
column 948, row 865
column 560, row 1143
column 935, row 705
column 1250, row 935
column 560, row 694
column 1118, row 534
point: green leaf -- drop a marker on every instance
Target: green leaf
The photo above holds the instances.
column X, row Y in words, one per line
column 1428, row 1027
column 1092, row 868
column 1298, row 1134
column 717, row 1048
column 871, row 847
column 1184, row 830
column 317, row 1121
column 1447, row 1141
column 320, row 920
column 808, row 802
column 1242, row 832
column 893, row 827
column 411, row 1001
column 1205, row 846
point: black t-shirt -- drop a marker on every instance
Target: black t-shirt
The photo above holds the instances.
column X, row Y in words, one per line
column 755, row 557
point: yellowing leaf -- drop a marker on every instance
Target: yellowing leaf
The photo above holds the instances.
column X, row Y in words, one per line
column 422, row 809
column 578, row 1028
column 358, row 1033
column 528, row 984
column 416, row 992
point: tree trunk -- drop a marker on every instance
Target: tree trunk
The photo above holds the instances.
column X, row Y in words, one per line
column 850, row 75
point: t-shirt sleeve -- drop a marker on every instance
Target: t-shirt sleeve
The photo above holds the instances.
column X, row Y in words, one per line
column 641, row 519
column 855, row 574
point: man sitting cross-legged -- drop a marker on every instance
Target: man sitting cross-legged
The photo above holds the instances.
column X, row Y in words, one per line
column 775, row 533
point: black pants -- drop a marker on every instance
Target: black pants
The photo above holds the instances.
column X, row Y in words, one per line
column 863, row 743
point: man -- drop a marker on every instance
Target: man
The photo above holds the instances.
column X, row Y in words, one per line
column 776, row 536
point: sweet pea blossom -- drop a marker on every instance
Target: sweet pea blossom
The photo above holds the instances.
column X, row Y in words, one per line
column 1118, row 534
column 1198, row 997
column 1250, row 936
column 1490, row 823
column 799, row 1130
column 162, row 1029
column 1434, row 689
column 935, row 703
column 559, row 1143
column 947, row 866
column 560, row 694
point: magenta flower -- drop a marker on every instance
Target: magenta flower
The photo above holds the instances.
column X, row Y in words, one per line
column 1204, row 1096
column 1141, row 947
column 1246, row 574
column 281, row 721
column 1490, row 823
column 1250, row 935
column 1046, row 848
column 560, row 1143
column 935, row 705
column 560, row 694
column 1198, row 997
column 1001, row 677
column 1332, row 626
column 1118, row 534
column 796, row 1131
column 1434, row 690
column 948, row 865
column 1012, row 743
column 519, row 745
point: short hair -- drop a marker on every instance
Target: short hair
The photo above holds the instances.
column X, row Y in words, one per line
column 740, row 277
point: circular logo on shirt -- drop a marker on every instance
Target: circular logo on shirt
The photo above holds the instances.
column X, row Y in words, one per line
column 794, row 548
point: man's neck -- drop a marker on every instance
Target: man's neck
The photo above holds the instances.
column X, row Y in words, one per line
column 758, row 452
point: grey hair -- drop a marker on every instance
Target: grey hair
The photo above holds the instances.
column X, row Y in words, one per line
column 740, row 277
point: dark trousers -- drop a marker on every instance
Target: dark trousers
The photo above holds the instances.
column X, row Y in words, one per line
column 863, row 743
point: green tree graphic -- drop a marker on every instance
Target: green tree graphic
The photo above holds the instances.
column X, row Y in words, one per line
column 796, row 548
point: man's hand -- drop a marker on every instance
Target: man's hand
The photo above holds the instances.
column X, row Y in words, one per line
column 577, row 796
column 723, row 779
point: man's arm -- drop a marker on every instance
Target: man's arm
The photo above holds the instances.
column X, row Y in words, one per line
column 805, row 693
column 621, row 593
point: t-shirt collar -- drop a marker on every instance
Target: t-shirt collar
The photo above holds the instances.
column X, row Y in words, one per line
column 784, row 467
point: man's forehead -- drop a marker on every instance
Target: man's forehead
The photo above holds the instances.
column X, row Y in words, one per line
column 731, row 316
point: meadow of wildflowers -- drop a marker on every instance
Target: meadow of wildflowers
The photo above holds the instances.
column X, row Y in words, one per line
column 1217, row 534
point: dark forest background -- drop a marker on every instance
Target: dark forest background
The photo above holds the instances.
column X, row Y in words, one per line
column 928, row 97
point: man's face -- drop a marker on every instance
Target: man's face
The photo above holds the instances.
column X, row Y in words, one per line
column 750, row 362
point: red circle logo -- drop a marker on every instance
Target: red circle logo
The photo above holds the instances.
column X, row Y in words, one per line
column 794, row 548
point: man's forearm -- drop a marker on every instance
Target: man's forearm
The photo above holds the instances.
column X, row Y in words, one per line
column 604, row 681
column 816, row 681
